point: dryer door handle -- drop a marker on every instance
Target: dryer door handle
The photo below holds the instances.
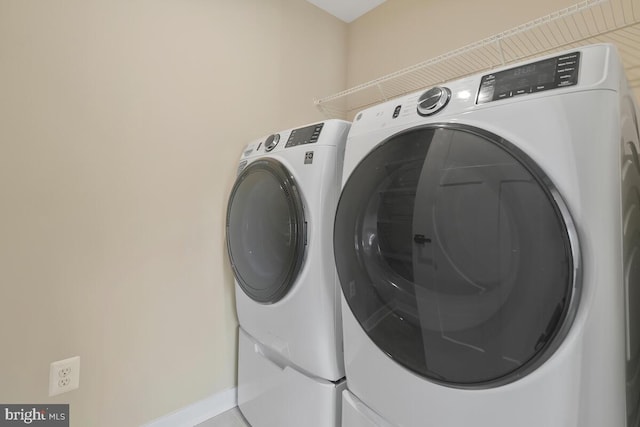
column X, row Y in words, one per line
column 420, row 239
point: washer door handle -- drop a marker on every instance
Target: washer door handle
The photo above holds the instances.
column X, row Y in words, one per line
column 420, row 239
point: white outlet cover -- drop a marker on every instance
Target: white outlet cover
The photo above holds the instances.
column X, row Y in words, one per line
column 64, row 375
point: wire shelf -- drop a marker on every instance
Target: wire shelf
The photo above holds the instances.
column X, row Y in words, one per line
column 587, row 22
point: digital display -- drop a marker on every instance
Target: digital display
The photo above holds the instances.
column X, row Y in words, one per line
column 305, row 135
column 535, row 77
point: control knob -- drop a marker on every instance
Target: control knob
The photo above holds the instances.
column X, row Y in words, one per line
column 433, row 100
column 271, row 142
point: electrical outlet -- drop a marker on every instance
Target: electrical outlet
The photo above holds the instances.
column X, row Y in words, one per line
column 64, row 375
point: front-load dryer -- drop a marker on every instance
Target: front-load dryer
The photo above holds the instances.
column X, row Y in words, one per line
column 279, row 239
column 487, row 241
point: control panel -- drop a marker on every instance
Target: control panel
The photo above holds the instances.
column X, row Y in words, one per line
column 547, row 74
column 305, row 135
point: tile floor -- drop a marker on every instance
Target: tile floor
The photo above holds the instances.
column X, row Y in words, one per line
column 231, row 418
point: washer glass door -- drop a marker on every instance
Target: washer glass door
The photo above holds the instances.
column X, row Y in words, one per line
column 265, row 230
column 456, row 255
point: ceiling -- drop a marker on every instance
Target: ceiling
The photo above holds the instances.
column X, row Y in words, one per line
column 347, row 10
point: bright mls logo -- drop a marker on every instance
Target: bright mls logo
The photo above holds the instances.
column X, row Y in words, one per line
column 34, row 415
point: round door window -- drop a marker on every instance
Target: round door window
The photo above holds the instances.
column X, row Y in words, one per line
column 265, row 230
column 457, row 256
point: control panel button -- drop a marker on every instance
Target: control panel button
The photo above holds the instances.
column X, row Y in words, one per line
column 396, row 112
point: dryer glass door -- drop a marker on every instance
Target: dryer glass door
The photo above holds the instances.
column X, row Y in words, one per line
column 456, row 255
column 265, row 230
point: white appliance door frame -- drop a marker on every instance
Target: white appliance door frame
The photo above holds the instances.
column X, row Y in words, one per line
column 457, row 255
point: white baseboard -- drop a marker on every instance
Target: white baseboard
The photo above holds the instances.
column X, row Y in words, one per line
column 198, row 412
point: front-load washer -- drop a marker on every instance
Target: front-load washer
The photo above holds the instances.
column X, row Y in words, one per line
column 279, row 239
column 487, row 241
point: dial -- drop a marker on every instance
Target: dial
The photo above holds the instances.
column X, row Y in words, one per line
column 271, row 142
column 433, row 100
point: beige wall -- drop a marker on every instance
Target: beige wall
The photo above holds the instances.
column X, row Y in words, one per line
column 120, row 127
column 121, row 123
